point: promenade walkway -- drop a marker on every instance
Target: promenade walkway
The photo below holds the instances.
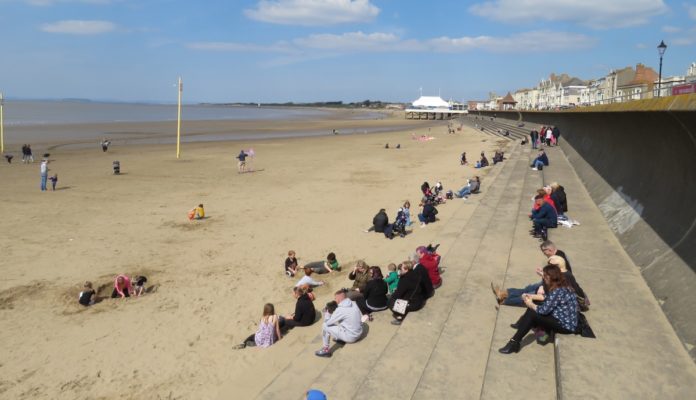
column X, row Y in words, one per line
column 449, row 349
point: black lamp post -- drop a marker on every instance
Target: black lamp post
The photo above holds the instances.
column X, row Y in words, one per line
column 660, row 49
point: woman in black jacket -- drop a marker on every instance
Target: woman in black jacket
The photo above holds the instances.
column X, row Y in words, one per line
column 409, row 289
column 304, row 314
column 374, row 297
column 558, row 196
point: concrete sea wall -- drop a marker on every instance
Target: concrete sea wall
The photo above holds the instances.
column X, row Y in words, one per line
column 638, row 162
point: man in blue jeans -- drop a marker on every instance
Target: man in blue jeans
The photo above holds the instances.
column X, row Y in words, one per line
column 44, row 174
column 541, row 161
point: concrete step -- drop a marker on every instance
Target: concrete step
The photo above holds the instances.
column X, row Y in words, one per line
column 418, row 337
column 346, row 371
column 637, row 353
column 537, row 361
column 465, row 360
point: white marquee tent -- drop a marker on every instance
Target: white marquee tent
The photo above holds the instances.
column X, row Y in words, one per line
column 430, row 102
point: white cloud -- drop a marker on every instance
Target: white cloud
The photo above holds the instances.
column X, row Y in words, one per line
column 536, row 41
column 359, row 42
column 313, row 12
column 692, row 11
column 671, row 29
column 79, row 27
column 599, row 14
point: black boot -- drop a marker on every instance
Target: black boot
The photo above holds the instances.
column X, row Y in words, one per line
column 511, row 347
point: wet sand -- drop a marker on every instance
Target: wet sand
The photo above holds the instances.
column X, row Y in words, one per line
column 208, row 279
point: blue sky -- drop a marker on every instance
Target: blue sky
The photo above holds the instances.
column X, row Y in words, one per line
column 324, row 50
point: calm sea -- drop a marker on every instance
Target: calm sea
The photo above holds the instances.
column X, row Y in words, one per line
column 26, row 113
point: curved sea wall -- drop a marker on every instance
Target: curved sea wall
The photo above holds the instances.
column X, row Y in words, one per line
column 638, row 162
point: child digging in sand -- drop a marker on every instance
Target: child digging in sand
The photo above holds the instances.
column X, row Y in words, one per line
column 291, row 264
column 197, row 213
column 88, row 295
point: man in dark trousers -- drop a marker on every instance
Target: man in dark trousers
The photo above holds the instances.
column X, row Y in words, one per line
column 543, row 217
column 534, row 136
column 556, row 133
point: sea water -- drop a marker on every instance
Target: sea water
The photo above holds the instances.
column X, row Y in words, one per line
column 30, row 112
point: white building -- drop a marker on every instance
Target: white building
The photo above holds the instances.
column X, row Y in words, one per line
column 430, row 103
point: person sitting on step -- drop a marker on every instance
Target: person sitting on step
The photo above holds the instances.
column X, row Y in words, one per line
column 344, row 324
column 558, row 311
column 541, row 161
column 543, row 218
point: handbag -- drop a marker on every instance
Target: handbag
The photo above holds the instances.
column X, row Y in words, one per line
column 401, row 305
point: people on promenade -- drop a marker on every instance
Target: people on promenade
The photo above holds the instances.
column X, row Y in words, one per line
column 549, row 136
column 556, row 133
column 534, row 138
column 343, row 324
column 558, row 311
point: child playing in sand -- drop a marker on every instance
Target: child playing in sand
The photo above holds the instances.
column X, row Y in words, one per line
column 54, row 180
column 88, row 295
column 331, row 262
column 139, row 288
column 291, row 264
column 407, row 212
column 392, row 278
column 122, row 287
column 197, row 213
column 307, row 279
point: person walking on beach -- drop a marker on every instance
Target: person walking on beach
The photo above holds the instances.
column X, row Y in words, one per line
column 54, row 181
column 105, row 144
column 241, row 167
column 44, row 174
column 30, row 156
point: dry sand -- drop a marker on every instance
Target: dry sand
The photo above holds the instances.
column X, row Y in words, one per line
column 209, row 279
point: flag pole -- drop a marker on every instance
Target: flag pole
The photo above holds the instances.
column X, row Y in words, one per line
column 178, row 121
column 2, row 125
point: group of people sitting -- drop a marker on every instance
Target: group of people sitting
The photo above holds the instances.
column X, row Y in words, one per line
column 124, row 286
column 404, row 289
column 554, row 304
column 483, row 162
column 550, row 206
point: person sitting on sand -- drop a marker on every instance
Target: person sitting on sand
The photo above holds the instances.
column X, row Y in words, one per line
column 399, row 226
column 344, row 324
column 304, row 314
column 558, row 311
column 427, row 215
column 483, row 162
column 88, row 296
column 331, row 263
column 291, row 264
column 139, row 288
column 122, row 287
column 268, row 331
column 380, row 221
column 307, row 279
column 196, row 213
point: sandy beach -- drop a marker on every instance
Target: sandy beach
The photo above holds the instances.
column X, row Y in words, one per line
column 208, row 279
